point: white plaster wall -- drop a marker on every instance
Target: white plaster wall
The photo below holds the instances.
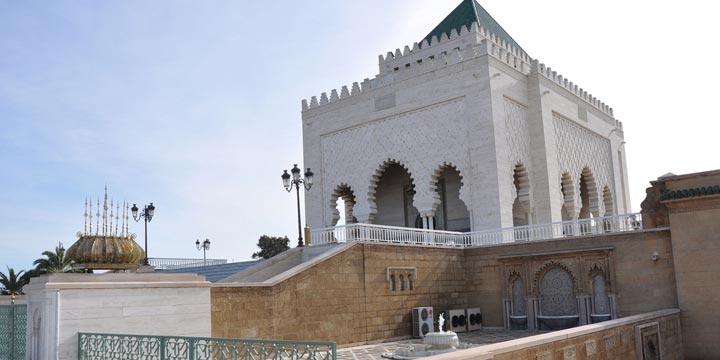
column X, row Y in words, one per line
column 143, row 304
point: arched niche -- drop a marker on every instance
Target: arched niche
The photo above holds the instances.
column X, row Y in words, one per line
column 521, row 204
column 392, row 191
column 342, row 202
column 450, row 211
column 588, row 195
column 567, row 189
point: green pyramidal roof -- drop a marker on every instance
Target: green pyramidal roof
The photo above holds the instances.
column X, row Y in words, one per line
column 465, row 14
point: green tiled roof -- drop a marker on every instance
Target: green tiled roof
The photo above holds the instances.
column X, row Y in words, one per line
column 688, row 193
column 465, row 14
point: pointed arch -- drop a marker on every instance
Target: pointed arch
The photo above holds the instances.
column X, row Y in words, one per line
column 390, row 195
column 451, row 212
column 344, row 193
column 588, row 195
column 599, row 289
column 567, row 189
column 516, row 289
column 521, row 203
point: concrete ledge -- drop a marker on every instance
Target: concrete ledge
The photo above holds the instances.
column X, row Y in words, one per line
column 116, row 281
column 488, row 351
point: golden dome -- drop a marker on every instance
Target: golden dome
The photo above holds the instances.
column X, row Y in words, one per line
column 108, row 247
column 105, row 252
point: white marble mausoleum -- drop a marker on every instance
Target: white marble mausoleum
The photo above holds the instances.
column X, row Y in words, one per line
column 463, row 131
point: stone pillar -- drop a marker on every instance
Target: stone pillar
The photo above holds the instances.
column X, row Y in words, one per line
column 545, row 183
column 533, row 306
column 584, row 309
column 507, row 310
column 61, row 305
column 613, row 305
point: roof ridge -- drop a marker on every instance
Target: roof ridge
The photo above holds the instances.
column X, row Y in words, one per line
column 464, row 14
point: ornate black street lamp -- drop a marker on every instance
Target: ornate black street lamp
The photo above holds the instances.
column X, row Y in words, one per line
column 205, row 246
column 147, row 214
column 295, row 179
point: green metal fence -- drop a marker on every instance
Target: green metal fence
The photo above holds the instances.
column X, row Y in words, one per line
column 142, row 347
column 12, row 331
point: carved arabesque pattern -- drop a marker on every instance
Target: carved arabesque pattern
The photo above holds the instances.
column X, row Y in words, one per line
column 577, row 148
column 420, row 140
column 517, row 137
column 557, row 295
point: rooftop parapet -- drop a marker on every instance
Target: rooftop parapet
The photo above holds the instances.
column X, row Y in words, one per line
column 423, row 57
column 470, row 42
column 552, row 75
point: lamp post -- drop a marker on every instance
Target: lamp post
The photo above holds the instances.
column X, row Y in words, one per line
column 147, row 214
column 295, row 179
column 205, row 246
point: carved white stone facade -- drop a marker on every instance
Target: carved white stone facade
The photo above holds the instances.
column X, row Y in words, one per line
column 473, row 101
column 353, row 156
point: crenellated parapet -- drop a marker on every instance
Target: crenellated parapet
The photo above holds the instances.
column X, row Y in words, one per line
column 563, row 82
column 430, row 55
column 470, row 42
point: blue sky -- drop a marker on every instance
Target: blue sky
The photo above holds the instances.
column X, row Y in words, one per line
column 195, row 105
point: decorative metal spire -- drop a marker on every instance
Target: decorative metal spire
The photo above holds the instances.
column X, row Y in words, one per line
column 127, row 219
column 90, row 216
column 86, row 216
column 105, row 209
column 97, row 219
column 117, row 217
column 112, row 215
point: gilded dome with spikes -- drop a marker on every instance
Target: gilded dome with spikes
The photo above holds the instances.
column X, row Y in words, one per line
column 106, row 248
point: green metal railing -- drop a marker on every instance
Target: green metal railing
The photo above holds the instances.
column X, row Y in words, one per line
column 12, row 331
column 148, row 347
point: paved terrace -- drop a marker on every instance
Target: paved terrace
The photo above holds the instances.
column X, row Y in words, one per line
column 475, row 338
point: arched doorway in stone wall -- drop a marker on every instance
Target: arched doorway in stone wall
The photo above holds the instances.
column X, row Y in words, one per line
column 341, row 205
column 451, row 213
column 393, row 194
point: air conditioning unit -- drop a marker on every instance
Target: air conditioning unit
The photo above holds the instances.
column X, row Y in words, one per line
column 422, row 318
column 455, row 320
column 474, row 319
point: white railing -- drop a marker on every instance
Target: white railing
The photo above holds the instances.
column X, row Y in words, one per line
column 179, row 263
column 411, row 236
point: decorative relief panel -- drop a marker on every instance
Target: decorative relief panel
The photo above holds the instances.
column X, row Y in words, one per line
column 578, row 147
column 557, row 296
column 517, row 137
column 420, row 140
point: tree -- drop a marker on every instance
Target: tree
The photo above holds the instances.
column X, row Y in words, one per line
column 271, row 246
column 53, row 262
column 13, row 283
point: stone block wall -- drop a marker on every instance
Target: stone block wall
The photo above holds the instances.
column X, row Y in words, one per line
column 641, row 284
column 347, row 298
column 61, row 305
column 633, row 338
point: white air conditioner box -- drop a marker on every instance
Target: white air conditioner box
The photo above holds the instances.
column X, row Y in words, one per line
column 455, row 320
column 422, row 318
column 474, row 319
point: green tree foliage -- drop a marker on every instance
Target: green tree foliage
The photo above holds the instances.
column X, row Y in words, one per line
column 53, row 262
column 271, row 246
column 13, row 283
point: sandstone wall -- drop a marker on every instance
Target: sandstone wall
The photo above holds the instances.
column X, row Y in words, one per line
column 629, row 338
column 347, row 298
